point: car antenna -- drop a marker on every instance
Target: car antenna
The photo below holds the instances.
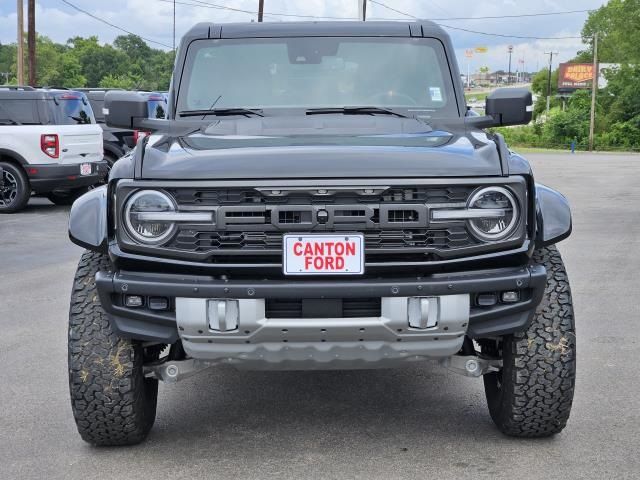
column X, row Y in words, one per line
column 212, row 105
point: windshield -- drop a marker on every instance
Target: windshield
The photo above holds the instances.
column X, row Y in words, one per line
column 319, row 72
column 72, row 109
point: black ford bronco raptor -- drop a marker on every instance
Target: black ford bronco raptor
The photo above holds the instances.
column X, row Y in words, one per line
column 319, row 197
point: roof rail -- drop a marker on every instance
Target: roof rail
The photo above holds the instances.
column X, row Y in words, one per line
column 17, row 87
column 95, row 89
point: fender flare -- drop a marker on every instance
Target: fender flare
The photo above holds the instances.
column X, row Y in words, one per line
column 14, row 155
column 88, row 220
column 553, row 216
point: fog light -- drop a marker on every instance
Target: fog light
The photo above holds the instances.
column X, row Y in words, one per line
column 133, row 301
column 158, row 303
column 486, row 299
column 510, row 297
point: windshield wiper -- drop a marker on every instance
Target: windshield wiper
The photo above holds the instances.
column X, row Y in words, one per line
column 355, row 111
column 221, row 112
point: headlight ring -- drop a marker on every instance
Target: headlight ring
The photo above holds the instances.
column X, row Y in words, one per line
column 494, row 228
column 154, row 203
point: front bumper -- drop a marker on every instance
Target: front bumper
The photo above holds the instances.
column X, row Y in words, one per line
column 50, row 177
column 320, row 342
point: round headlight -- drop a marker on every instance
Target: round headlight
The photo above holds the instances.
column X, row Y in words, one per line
column 145, row 216
column 501, row 213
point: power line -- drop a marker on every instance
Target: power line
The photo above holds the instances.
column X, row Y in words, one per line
column 489, row 17
column 215, row 6
column 474, row 31
column 111, row 24
column 526, row 37
column 204, row 4
column 521, row 15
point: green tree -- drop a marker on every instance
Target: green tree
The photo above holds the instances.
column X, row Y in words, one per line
column 97, row 60
column 617, row 24
column 126, row 81
column 540, row 86
column 8, row 62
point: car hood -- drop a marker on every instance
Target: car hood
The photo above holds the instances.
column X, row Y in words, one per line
column 337, row 147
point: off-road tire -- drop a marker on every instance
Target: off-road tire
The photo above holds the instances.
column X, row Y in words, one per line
column 112, row 402
column 532, row 395
column 66, row 197
column 22, row 188
column 110, row 158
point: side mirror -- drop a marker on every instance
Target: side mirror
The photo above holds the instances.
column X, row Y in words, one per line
column 124, row 109
column 510, row 106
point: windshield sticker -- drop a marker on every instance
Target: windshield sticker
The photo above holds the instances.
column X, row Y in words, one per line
column 436, row 94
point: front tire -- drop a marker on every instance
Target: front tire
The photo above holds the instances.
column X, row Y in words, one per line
column 14, row 188
column 66, row 197
column 532, row 395
column 112, row 402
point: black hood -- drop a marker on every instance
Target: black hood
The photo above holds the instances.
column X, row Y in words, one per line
column 340, row 146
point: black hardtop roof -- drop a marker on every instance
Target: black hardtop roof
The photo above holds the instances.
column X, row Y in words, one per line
column 421, row 28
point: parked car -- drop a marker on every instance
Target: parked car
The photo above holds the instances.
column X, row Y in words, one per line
column 118, row 141
column 50, row 144
column 319, row 199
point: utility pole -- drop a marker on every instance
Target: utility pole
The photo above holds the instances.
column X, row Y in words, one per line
column 20, row 65
column 260, row 10
column 362, row 10
column 551, row 54
column 31, row 40
column 174, row 30
column 594, row 91
column 509, row 76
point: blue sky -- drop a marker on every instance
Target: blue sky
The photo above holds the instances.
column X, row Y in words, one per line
column 153, row 19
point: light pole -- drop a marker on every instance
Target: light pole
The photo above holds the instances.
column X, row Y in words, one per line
column 510, row 53
column 551, row 54
column 362, row 10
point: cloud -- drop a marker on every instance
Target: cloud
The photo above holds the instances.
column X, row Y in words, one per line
column 153, row 19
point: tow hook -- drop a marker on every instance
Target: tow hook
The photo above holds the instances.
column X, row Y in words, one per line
column 471, row 365
column 175, row 370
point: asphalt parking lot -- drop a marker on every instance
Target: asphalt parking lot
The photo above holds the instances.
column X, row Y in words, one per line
column 420, row 422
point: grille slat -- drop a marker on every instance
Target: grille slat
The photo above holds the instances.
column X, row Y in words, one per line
column 247, row 196
column 250, row 222
column 350, row 308
column 374, row 240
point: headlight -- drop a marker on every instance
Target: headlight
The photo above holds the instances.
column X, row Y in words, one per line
column 496, row 213
column 148, row 216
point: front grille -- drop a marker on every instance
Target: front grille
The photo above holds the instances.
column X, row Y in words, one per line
column 209, row 241
column 323, row 308
column 253, row 221
column 248, row 224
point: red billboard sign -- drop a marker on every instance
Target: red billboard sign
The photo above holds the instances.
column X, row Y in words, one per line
column 573, row 76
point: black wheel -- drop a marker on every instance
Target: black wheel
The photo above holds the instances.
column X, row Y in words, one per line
column 14, row 188
column 112, row 402
column 110, row 158
column 532, row 395
column 66, row 197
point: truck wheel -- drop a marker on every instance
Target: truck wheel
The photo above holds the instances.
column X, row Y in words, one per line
column 14, row 188
column 531, row 396
column 110, row 158
column 112, row 402
column 66, row 197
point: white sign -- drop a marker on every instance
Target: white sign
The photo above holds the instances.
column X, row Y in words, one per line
column 323, row 254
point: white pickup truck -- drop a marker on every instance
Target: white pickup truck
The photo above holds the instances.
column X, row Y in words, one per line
column 50, row 144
